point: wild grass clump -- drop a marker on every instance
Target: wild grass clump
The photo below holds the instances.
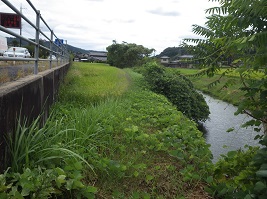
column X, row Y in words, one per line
column 4, row 76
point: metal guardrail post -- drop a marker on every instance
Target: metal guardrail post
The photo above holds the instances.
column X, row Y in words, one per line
column 36, row 54
column 62, row 53
column 51, row 48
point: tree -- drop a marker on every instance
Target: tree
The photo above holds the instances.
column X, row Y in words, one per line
column 126, row 55
column 236, row 33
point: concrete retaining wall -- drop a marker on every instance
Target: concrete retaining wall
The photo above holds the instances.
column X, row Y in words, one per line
column 27, row 98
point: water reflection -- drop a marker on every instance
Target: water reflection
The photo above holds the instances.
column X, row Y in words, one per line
column 221, row 119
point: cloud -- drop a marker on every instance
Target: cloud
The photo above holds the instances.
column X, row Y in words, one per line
column 119, row 20
column 161, row 12
column 93, row 24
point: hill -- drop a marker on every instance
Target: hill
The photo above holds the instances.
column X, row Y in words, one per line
column 173, row 52
column 11, row 41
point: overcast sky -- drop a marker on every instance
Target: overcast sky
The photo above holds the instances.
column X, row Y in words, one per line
column 94, row 24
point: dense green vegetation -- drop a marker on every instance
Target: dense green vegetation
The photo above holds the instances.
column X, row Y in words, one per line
column 108, row 136
column 235, row 34
column 127, row 55
column 244, row 169
column 178, row 89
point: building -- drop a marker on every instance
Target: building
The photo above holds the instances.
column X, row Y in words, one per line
column 165, row 60
column 98, row 56
column 183, row 61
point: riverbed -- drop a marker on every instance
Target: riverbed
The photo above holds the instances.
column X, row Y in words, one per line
column 220, row 120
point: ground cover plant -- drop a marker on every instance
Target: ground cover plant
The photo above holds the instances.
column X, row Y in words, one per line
column 112, row 138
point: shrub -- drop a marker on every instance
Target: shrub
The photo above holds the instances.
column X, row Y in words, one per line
column 178, row 89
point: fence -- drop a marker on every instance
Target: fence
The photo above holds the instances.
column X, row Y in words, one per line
column 58, row 49
column 33, row 95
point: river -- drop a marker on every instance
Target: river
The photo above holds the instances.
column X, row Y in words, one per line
column 221, row 119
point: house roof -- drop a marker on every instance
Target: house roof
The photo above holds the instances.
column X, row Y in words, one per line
column 98, row 53
column 186, row 56
column 164, row 57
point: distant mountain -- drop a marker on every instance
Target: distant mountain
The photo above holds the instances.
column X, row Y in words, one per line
column 173, row 52
column 77, row 50
column 11, row 41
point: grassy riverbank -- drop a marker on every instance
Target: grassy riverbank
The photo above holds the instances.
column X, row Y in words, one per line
column 145, row 148
column 225, row 87
column 109, row 137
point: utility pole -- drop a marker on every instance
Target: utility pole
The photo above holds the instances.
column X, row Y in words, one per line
column 20, row 30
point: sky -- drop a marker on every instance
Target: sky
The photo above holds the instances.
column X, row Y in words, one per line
column 95, row 24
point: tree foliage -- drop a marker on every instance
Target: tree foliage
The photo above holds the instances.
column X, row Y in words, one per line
column 178, row 89
column 126, row 55
column 236, row 34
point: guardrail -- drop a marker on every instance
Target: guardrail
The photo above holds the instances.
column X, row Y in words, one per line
column 59, row 49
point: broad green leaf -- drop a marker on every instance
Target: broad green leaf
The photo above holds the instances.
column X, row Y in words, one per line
column 209, row 179
column 91, row 189
column 61, row 178
column 149, row 178
column 69, row 184
column 25, row 192
column 231, row 154
column 230, row 130
column 60, row 171
column 3, row 195
column 136, row 173
column 259, row 186
column 78, row 165
column 261, row 173
column 248, row 197
column 78, row 184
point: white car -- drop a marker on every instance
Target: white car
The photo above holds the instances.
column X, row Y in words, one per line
column 53, row 57
column 18, row 52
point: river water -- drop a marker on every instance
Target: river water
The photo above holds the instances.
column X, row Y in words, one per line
column 220, row 120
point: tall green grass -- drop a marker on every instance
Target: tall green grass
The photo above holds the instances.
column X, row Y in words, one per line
column 33, row 145
column 93, row 83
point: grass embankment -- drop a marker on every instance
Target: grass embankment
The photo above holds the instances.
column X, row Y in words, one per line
column 140, row 146
column 226, row 88
column 108, row 136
